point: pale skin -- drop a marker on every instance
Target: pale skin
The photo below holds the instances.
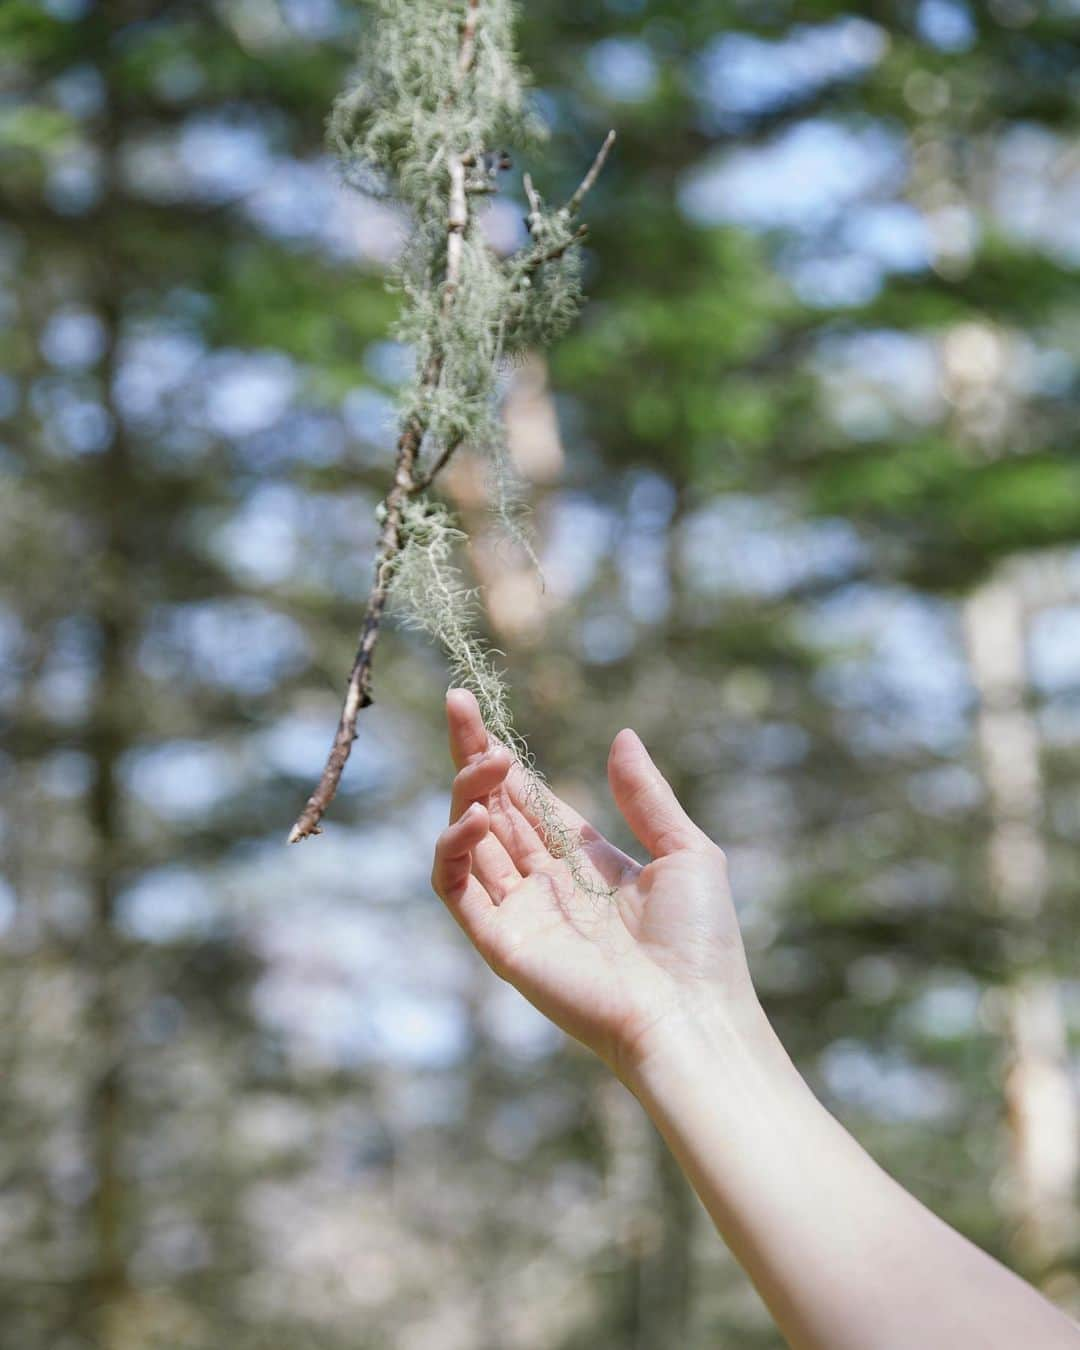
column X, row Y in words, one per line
column 653, row 978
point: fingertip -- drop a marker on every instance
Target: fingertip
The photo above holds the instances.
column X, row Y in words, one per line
column 477, row 818
column 460, row 698
column 500, row 758
column 626, row 742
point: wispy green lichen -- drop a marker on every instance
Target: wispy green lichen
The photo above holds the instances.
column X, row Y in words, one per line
column 436, row 106
column 433, row 597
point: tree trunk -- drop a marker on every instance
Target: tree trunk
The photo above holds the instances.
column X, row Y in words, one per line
column 1040, row 1104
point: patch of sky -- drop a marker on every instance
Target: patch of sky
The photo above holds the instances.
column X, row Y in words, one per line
column 946, row 24
column 154, row 364
column 739, row 76
column 79, row 91
column 895, row 234
column 310, row 435
column 72, row 339
column 830, row 280
column 260, row 542
column 236, row 644
column 801, row 179
column 246, row 392
column 945, row 789
column 321, row 539
column 66, row 774
column 622, row 69
column 897, row 666
column 417, row 1030
column 873, row 379
column 319, row 1025
column 297, row 746
column 746, row 546
column 338, row 987
column 1035, row 190
column 643, row 576
column 1052, row 372
column 222, row 157
column 887, row 1085
column 641, row 553
column 605, row 636
column 945, row 1010
column 212, row 158
column 294, row 198
column 178, row 78
column 391, row 362
column 516, row 1027
column 66, row 683
column 75, row 423
column 181, row 780
column 1054, row 650
column 367, row 947
column 360, row 228
column 314, row 20
column 169, row 904
column 502, row 220
column 848, row 267
column 76, row 180
column 305, row 201
column 370, row 416
column 579, row 535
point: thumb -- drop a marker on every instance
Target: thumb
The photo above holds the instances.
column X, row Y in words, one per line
column 646, row 800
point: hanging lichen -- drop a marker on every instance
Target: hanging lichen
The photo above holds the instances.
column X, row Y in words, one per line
column 436, row 105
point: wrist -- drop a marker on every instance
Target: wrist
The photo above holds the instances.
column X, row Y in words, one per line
column 716, row 1038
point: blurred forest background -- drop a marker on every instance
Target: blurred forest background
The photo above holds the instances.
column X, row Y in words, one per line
column 807, row 495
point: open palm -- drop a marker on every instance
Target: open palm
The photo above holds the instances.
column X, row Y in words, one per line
column 610, row 961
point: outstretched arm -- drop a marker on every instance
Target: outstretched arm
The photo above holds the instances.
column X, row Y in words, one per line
column 654, row 979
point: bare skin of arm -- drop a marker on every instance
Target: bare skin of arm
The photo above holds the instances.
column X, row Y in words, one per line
column 655, row 981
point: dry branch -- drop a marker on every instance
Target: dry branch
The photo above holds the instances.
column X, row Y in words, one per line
column 407, row 482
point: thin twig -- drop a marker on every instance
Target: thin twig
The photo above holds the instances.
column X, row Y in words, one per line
column 467, row 49
column 535, row 205
column 358, row 689
column 406, row 482
column 425, row 480
column 574, row 204
column 556, row 250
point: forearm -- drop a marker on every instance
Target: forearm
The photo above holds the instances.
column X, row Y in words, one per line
column 841, row 1254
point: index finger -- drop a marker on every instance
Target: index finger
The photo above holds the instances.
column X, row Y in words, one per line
column 468, row 735
column 469, row 739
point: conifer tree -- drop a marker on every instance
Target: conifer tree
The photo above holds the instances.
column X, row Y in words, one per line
column 438, row 102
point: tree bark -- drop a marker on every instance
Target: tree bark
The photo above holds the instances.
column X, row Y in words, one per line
column 1040, row 1103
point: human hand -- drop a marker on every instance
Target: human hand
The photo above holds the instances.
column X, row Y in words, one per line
column 662, row 953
